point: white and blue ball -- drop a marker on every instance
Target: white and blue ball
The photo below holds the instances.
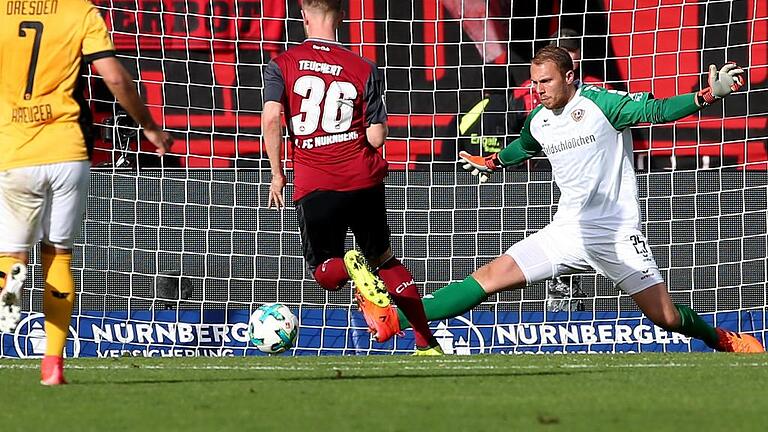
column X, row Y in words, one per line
column 273, row 328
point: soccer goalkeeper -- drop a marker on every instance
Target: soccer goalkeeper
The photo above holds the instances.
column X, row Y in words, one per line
column 45, row 126
column 583, row 130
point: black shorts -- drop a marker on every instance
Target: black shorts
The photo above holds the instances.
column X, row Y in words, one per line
column 325, row 216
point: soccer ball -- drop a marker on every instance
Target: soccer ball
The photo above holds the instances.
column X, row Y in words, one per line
column 273, row 328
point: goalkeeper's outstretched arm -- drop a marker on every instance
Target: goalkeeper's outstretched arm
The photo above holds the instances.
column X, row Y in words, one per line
column 624, row 110
column 517, row 151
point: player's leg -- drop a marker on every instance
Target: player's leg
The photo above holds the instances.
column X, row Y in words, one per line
column 372, row 297
column 626, row 259
column 404, row 292
column 457, row 298
column 657, row 305
column 535, row 258
column 323, row 221
column 368, row 222
column 630, row 264
column 61, row 222
column 323, row 230
column 58, row 301
column 21, row 206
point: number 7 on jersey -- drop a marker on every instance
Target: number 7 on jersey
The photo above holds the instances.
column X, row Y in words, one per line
column 37, row 26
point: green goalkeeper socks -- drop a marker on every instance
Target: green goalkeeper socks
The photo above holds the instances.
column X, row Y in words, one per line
column 458, row 297
column 449, row 301
column 692, row 325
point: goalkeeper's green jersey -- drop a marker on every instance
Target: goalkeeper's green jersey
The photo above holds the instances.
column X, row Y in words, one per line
column 589, row 146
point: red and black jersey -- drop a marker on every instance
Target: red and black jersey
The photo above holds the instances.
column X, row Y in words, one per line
column 330, row 96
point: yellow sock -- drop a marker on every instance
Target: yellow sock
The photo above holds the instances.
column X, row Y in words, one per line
column 6, row 262
column 58, row 299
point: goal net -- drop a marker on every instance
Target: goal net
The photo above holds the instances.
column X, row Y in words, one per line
column 175, row 254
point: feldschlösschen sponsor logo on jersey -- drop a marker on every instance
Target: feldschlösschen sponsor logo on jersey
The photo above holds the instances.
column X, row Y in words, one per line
column 569, row 144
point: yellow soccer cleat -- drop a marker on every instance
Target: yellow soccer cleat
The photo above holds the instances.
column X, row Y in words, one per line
column 429, row 351
column 370, row 286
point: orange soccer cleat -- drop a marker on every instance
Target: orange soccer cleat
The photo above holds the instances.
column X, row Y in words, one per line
column 729, row 341
column 372, row 298
column 383, row 322
column 52, row 371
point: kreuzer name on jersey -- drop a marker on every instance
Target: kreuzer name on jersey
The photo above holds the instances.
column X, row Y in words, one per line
column 325, row 140
column 315, row 66
column 32, row 114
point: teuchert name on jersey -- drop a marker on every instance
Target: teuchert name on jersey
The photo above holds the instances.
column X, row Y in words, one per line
column 324, row 68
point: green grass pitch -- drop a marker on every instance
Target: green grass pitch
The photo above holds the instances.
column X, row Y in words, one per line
column 629, row 392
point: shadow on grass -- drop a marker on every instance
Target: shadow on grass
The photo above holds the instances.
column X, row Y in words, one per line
column 338, row 375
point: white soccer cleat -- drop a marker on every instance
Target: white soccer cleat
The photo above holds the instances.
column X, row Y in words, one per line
column 10, row 297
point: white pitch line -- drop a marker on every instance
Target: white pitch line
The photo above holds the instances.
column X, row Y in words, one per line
column 391, row 360
column 653, row 365
column 37, row 366
column 370, row 367
column 342, row 368
column 158, row 367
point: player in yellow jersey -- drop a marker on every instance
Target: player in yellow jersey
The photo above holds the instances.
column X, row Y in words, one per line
column 44, row 150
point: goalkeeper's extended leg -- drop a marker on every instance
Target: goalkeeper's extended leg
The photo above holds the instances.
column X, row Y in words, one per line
column 658, row 307
column 13, row 273
column 457, row 298
column 449, row 301
column 729, row 341
column 719, row 339
column 58, row 299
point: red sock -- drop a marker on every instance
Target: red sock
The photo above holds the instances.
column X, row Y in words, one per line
column 331, row 274
column 403, row 291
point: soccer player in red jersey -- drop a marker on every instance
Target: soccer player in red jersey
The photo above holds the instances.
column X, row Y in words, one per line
column 336, row 118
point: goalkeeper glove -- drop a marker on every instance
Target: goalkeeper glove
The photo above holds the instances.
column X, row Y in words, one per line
column 721, row 84
column 480, row 166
